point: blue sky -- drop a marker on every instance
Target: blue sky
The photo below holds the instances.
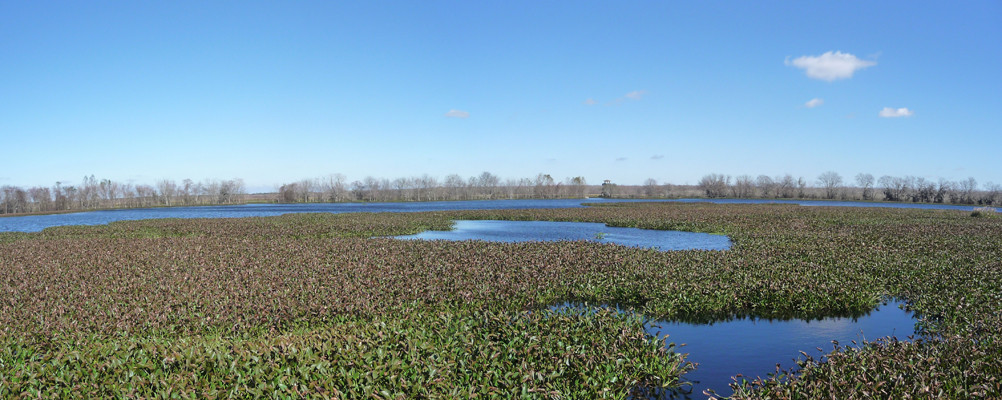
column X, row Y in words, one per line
column 273, row 92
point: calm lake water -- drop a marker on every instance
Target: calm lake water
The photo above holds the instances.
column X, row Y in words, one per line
column 36, row 223
column 753, row 347
column 524, row 231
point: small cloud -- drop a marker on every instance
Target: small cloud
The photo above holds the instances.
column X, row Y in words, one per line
column 814, row 103
column 636, row 94
column 850, row 116
column 457, row 114
column 958, row 169
column 830, row 66
column 888, row 112
column 657, row 157
column 621, row 159
column 590, row 101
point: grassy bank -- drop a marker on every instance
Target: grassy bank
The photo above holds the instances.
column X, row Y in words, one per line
column 308, row 305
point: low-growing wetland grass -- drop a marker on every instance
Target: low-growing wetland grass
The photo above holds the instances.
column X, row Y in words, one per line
column 308, row 305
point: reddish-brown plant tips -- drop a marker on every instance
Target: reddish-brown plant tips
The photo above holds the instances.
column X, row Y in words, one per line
column 315, row 305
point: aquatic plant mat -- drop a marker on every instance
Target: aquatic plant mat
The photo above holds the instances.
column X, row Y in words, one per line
column 307, row 305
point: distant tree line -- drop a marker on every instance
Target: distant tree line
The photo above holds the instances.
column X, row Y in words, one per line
column 486, row 186
column 94, row 194
column 831, row 186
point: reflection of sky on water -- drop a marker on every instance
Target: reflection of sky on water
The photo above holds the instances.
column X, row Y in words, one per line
column 754, row 347
column 523, row 231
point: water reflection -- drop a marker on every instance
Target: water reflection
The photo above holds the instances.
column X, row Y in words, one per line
column 524, row 231
column 753, row 346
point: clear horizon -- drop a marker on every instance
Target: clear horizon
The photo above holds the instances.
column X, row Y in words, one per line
column 277, row 92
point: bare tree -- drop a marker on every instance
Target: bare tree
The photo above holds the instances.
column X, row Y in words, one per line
column 454, row 186
column 766, row 186
column 831, row 182
column 288, row 193
column 801, row 187
column 744, row 187
column 667, row 189
column 166, row 188
column 489, row 182
column 865, row 182
column 545, row 186
column 428, row 185
column 967, row 189
column 993, row 193
column 943, row 189
column 525, row 188
column 371, row 187
column 185, row 191
column 924, row 191
column 715, row 185
column 577, row 186
column 333, row 187
column 651, row 188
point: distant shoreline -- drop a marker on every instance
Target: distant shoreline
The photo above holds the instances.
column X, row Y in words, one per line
column 694, row 199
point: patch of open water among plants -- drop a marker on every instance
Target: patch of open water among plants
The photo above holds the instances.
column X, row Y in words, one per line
column 525, row 231
column 753, row 346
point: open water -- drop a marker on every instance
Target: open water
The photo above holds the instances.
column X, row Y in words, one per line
column 524, row 231
column 752, row 347
column 34, row 223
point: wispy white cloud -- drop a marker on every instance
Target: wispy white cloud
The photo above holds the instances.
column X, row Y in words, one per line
column 590, row 102
column 830, row 66
column 636, row 94
column 888, row 112
column 457, row 114
column 814, row 103
column 657, row 157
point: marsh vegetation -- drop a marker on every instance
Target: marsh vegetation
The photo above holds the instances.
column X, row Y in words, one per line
column 310, row 305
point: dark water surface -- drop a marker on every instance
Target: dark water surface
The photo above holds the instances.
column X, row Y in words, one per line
column 34, row 223
column 524, row 231
column 752, row 347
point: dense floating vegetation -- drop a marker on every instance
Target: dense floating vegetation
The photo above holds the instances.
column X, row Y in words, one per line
column 309, row 305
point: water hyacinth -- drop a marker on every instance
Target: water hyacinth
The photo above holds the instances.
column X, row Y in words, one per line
column 315, row 305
